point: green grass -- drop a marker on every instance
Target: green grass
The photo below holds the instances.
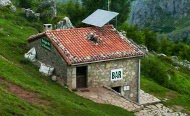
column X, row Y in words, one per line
column 174, row 88
column 13, row 45
column 14, row 31
column 62, row 100
column 169, row 97
column 12, row 105
column 163, row 71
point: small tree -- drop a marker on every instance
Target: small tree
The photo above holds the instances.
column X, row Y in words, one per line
column 166, row 46
column 151, row 40
column 28, row 3
column 133, row 33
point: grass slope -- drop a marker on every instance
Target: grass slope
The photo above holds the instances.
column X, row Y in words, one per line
column 172, row 87
column 14, row 30
column 169, row 97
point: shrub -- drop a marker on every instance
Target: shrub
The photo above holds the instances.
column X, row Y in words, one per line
column 133, row 33
column 153, row 69
column 151, row 40
column 160, row 70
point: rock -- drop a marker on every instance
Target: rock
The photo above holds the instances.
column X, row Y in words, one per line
column 54, row 78
column 159, row 105
column 142, row 11
column 174, row 58
column 164, row 55
column 5, row 2
column 13, row 8
column 31, row 13
column 51, row 4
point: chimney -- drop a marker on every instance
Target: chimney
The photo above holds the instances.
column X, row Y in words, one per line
column 47, row 27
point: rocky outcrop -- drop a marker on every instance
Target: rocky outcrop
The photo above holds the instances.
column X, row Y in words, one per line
column 5, row 2
column 65, row 24
column 31, row 13
column 8, row 3
column 145, row 11
column 44, row 8
column 48, row 4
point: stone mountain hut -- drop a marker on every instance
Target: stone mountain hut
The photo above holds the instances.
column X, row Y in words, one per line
column 91, row 57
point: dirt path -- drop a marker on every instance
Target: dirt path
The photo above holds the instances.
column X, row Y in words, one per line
column 22, row 93
column 6, row 59
column 1, row 56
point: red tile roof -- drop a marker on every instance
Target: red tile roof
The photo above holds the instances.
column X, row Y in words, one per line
column 75, row 47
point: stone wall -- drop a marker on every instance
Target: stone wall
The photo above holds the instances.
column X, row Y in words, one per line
column 100, row 74
column 71, row 80
column 53, row 58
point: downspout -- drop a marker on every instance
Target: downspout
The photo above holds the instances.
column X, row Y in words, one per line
column 138, row 79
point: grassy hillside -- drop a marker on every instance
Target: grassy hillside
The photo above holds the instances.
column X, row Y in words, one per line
column 162, row 79
column 23, row 90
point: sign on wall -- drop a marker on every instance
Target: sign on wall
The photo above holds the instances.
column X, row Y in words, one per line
column 116, row 74
column 45, row 43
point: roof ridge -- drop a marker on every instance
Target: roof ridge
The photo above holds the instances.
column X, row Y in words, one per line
column 81, row 28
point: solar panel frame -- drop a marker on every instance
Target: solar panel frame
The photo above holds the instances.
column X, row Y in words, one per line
column 100, row 17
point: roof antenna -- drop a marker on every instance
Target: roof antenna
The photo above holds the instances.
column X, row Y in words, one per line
column 109, row 1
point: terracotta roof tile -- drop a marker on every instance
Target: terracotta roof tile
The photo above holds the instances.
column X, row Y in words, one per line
column 75, row 47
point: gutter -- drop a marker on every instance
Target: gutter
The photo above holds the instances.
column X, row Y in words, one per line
column 107, row 60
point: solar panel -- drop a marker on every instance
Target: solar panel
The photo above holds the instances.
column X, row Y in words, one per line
column 100, row 17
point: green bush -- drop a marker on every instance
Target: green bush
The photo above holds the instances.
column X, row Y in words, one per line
column 27, row 3
column 133, row 33
column 154, row 69
column 151, row 40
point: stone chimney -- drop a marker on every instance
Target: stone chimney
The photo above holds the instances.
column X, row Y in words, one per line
column 47, row 27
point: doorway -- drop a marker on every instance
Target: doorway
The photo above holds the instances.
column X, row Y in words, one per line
column 81, row 75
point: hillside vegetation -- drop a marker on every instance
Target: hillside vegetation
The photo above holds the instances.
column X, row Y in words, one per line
column 23, row 90
column 161, row 78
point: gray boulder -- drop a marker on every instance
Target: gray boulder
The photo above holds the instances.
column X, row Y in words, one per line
column 6, row 3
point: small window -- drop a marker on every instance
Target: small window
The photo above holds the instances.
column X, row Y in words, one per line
column 117, row 89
